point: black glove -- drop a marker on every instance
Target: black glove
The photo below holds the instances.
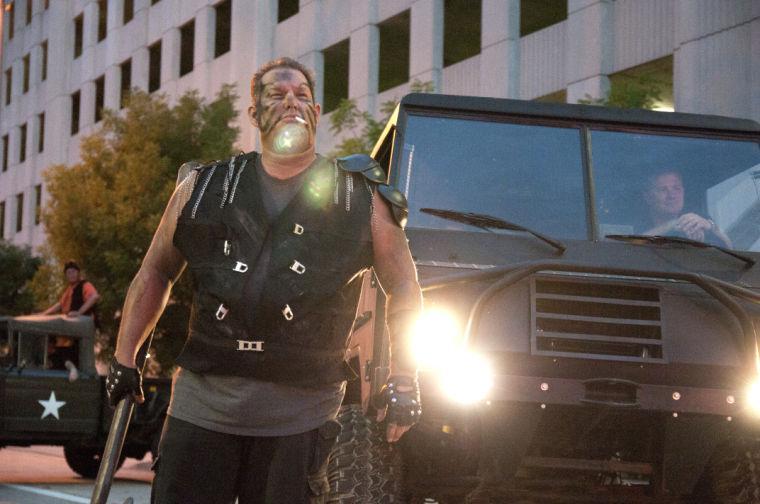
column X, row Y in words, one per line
column 404, row 408
column 122, row 381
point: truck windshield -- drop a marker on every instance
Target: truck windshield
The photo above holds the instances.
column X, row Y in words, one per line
column 527, row 174
column 698, row 188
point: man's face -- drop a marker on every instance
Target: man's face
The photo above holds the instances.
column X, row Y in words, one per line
column 665, row 196
column 72, row 275
column 286, row 113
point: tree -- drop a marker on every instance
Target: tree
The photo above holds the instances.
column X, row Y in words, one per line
column 18, row 267
column 364, row 130
column 102, row 211
column 640, row 92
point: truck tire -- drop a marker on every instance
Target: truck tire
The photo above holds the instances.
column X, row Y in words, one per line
column 85, row 460
column 733, row 473
column 363, row 468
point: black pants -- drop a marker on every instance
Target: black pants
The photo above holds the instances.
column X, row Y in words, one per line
column 195, row 465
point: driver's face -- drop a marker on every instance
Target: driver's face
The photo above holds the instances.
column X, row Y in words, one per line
column 665, row 197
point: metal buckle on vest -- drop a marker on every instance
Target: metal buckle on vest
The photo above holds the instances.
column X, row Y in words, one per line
column 240, row 267
column 298, row 267
column 250, row 346
column 287, row 313
column 221, row 312
column 298, row 229
column 227, row 247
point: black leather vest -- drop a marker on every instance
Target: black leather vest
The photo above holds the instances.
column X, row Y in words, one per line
column 321, row 243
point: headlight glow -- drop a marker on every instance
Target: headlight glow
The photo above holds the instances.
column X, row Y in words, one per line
column 435, row 340
column 438, row 347
column 752, row 398
column 469, row 380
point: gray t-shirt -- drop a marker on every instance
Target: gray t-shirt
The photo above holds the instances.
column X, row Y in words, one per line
column 244, row 406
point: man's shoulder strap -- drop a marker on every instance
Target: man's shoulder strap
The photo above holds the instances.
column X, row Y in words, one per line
column 364, row 164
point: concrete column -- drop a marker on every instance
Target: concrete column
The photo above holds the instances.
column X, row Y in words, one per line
column 589, row 49
column 140, row 60
column 87, row 105
column 113, row 87
column 170, row 44
column 364, row 54
column 426, row 42
column 500, row 54
column 205, row 33
column 310, row 44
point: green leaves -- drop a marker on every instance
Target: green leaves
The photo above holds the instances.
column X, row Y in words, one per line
column 103, row 210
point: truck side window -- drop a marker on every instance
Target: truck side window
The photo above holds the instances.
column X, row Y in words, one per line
column 32, row 350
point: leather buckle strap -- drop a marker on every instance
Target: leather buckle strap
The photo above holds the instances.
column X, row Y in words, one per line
column 240, row 267
column 221, row 312
column 298, row 229
column 250, row 346
column 287, row 313
column 298, row 267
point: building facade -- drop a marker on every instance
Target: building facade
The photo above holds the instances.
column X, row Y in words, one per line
column 63, row 61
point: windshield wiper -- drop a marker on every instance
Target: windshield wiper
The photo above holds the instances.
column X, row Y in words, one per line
column 662, row 240
column 489, row 222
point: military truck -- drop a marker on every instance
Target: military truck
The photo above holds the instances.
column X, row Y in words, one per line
column 44, row 400
column 572, row 349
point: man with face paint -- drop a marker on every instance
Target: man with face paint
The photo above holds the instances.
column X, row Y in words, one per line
column 276, row 242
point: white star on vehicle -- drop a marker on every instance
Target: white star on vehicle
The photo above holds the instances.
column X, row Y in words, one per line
column 52, row 405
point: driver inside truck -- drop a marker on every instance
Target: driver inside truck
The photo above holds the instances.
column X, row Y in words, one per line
column 664, row 195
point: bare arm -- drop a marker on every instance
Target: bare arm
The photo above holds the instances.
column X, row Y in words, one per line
column 395, row 270
column 149, row 291
column 53, row 309
column 398, row 276
column 87, row 305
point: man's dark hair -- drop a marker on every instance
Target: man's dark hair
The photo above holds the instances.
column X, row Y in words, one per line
column 257, row 87
column 69, row 265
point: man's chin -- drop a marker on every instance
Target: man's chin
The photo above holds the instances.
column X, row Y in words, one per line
column 290, row 138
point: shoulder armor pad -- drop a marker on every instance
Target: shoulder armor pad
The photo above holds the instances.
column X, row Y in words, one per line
column 398, row 202
column 186, row 169
column 364, row 164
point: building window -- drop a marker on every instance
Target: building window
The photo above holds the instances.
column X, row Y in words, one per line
column 129, row 10
column 646, row 86
column 154, row 2
column 223, row 30
column 461, row 30
column 126, row 82
column 25, row 80
column 22, row 143
column 335, row 75
column 37, row 204
column 41, row 132
column 11, row 19
column 6, row 146
column 19, row 212
column 102, row 19
column 286, row 9
column 394, row 51
column 100, row 94
column 46, row 4
column 536, row 15
column 28, row 11
column 186, row 47
column 75, row 99
column 2, row 220
column 43, row 71
column 8, row 85
column 78, row 35
column 154, row 67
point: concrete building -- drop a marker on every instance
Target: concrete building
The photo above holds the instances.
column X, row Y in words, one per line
column 63, row 60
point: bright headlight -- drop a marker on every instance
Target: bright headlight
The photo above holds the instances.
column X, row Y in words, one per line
column 436, row 339
column 752, row 398
column 469, row 380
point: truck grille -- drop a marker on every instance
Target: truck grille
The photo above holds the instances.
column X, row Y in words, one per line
column 595, row 319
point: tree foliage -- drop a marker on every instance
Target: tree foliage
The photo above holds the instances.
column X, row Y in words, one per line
column 18, row 267
column 102, row 211
column 362, row 130
column 641, row 92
